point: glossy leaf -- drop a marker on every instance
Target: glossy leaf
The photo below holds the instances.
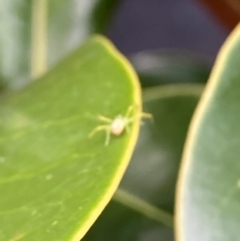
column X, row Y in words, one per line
column 208, row 197
column 54, row 180
column 153, row 169
column 158, row 67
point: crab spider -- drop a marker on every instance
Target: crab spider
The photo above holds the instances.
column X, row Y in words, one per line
column 117, row 125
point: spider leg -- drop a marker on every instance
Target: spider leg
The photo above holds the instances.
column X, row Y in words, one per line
column 128, row 122
column 142, row 115
column 146, row 115
column 129, row 111
column 104, row 119
column 97, row 129
column 127, row 127
column 127, row 117
column 108, row 133
column 102, row 128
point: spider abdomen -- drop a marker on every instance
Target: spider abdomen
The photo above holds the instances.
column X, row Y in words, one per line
column 118, row 125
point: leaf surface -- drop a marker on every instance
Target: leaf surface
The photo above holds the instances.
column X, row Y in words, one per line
column 54, row 180
column 208, row 200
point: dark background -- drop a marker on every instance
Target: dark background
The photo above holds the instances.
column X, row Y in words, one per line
column 179, row 24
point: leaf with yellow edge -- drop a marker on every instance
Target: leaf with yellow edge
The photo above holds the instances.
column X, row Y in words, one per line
column 142, row 208
column 54, row 180
column 208, row 196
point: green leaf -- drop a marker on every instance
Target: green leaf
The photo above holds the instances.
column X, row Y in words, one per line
column 151, row 175
column 208, row 197
column 157, row 67
column 54, row 180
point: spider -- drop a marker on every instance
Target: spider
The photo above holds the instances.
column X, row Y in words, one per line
column 117, row 125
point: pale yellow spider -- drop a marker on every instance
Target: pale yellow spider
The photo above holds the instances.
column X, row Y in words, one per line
column 117, row 125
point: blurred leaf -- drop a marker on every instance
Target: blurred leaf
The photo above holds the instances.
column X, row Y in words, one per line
column 153, row 169
column 69, row 24
column 102, row 14
column 208, row 200
column 157, row 67
column 14, row 41
column 54, row 180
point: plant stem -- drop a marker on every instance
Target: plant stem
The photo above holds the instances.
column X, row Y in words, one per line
column 143, row 207
column 39, row 38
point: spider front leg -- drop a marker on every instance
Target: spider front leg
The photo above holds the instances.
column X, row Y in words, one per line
column 128, row 123
column 102, row 128
column 108, row 134
column 146, row 115
column 142, row 115
column 129, row 111
column 104, row 119
column 127, row 117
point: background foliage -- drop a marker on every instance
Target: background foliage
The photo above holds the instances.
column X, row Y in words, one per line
column 55, row 181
